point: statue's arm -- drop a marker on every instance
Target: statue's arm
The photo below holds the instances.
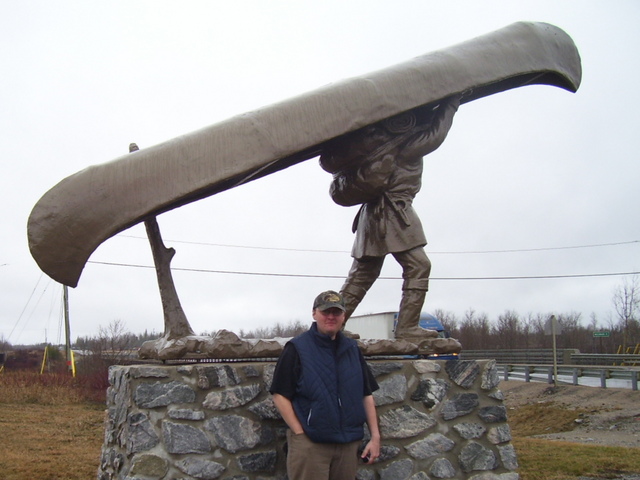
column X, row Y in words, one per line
column 429, row 139
column 368, row 177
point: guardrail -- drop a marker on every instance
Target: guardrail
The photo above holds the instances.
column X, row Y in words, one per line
column 573, row 372
column 532, row 356
column 544, row 356
column 621, row 359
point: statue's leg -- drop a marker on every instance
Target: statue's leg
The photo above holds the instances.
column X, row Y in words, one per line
column 416, row 268
column 361, row 276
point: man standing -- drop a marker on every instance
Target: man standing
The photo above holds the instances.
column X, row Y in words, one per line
column 323, row 388
column 380, row 167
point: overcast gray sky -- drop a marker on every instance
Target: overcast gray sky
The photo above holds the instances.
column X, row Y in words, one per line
column 523, row 174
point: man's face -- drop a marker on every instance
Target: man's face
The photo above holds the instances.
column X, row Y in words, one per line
column 329, row 321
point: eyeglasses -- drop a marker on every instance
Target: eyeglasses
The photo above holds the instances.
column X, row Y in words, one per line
column 336, row 312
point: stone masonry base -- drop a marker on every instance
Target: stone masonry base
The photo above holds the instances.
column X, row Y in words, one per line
column 438, row 420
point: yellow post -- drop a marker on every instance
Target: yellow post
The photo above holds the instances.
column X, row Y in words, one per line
column 44, row 359
column 73, row 364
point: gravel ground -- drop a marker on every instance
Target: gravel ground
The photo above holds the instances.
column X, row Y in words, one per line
column 613, row 414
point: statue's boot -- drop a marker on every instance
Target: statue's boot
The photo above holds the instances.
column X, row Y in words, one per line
column 408, row 326
column 352, row 295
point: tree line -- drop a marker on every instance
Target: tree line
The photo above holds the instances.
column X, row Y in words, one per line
column 475, row 331
column 513, row 331
column 510, row 330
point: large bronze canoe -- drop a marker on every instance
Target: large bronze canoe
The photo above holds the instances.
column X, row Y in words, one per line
column 73, row 218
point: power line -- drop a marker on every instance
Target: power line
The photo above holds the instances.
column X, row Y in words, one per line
column 253, row 247
column 544, row 248
column 462, row 252
column 296, row 275
column 25, row 307
column 33, row 309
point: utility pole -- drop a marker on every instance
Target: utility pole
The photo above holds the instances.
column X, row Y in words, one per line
column 67, row 328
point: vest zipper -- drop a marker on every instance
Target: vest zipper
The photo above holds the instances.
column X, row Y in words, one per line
column 337, row 373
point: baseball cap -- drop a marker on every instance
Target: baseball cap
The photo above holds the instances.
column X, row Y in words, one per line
column 329, row 299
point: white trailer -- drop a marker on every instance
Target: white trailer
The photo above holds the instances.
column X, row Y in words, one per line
column 382, row 325
column 373, row 325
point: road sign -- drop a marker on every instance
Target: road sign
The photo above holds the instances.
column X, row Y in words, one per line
column 601, row 334
column 552, row 326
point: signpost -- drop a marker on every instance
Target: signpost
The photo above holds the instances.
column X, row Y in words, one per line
column 553, row 328
column 601, row 334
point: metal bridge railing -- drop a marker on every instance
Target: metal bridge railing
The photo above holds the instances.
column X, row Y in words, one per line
column 544, row 356
column 573, row 374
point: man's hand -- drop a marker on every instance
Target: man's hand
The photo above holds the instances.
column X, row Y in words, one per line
column 372, row 451
column 284, row 406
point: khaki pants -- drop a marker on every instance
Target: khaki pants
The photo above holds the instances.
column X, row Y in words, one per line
column 320, row 461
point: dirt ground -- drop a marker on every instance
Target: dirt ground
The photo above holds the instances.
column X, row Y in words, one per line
column 610, row 416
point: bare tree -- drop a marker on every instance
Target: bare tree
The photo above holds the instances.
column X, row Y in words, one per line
column 4, row 344
column 292, row 329
column 626, row 302
column 114, row 338
column 506, row 330
column 111, row 346
column 574, row 333
column 449, row 322
column 528, row 327
column 475, row 331
column 538, row 337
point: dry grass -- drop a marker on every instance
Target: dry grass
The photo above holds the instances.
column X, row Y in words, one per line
column 549, row 418
column 50, row 442
column 50, row 427
column 47, row 389
column 553, row 460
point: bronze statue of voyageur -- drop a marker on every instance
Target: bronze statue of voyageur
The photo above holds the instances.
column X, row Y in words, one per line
column 380, row 167
column 73, row 218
